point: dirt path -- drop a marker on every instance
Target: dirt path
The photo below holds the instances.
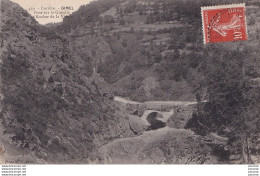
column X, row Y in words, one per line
column 155, row 103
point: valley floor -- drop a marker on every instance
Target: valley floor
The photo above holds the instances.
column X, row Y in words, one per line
column 165, row 145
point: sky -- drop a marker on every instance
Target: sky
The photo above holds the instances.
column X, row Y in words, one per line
column 40, row 6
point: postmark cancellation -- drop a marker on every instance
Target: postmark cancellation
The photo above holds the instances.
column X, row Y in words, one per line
column 224, row 23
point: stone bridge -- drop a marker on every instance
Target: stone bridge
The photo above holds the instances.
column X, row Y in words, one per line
column 173, row 113
column 165, row 116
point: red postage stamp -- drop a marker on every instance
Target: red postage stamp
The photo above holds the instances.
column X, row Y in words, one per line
column 225, row 23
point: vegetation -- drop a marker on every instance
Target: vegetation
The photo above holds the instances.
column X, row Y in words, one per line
column 48, row 107
column 149, row 51
column 228, row 111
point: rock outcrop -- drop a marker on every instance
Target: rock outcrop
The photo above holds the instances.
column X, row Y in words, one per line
column 137, row 125
column 51, row 106
column 163, row 146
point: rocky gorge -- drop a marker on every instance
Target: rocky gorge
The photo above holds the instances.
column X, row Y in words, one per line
column 59, row 86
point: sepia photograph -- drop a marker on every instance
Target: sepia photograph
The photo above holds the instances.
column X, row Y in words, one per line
column 130, row 82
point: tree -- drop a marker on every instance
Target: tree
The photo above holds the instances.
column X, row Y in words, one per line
column 176, row 54
column 108, row 19
column 124, row 42
column 157, row 57
column 233, row 103
column 122, row 22
column 132, row 30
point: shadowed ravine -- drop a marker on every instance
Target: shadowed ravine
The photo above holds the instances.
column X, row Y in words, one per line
column 157, row 143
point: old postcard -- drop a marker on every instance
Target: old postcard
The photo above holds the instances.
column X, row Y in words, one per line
column 129, row 82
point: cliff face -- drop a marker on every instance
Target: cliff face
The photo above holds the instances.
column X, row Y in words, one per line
column 50, row 107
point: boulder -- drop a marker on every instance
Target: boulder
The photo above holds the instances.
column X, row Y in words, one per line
column 2, row 149
column 136, row 124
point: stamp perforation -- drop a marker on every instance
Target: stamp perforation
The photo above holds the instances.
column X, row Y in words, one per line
column 223, row 6
column 220, row 28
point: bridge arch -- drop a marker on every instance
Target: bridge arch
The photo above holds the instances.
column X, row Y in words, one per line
column 156, row 119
